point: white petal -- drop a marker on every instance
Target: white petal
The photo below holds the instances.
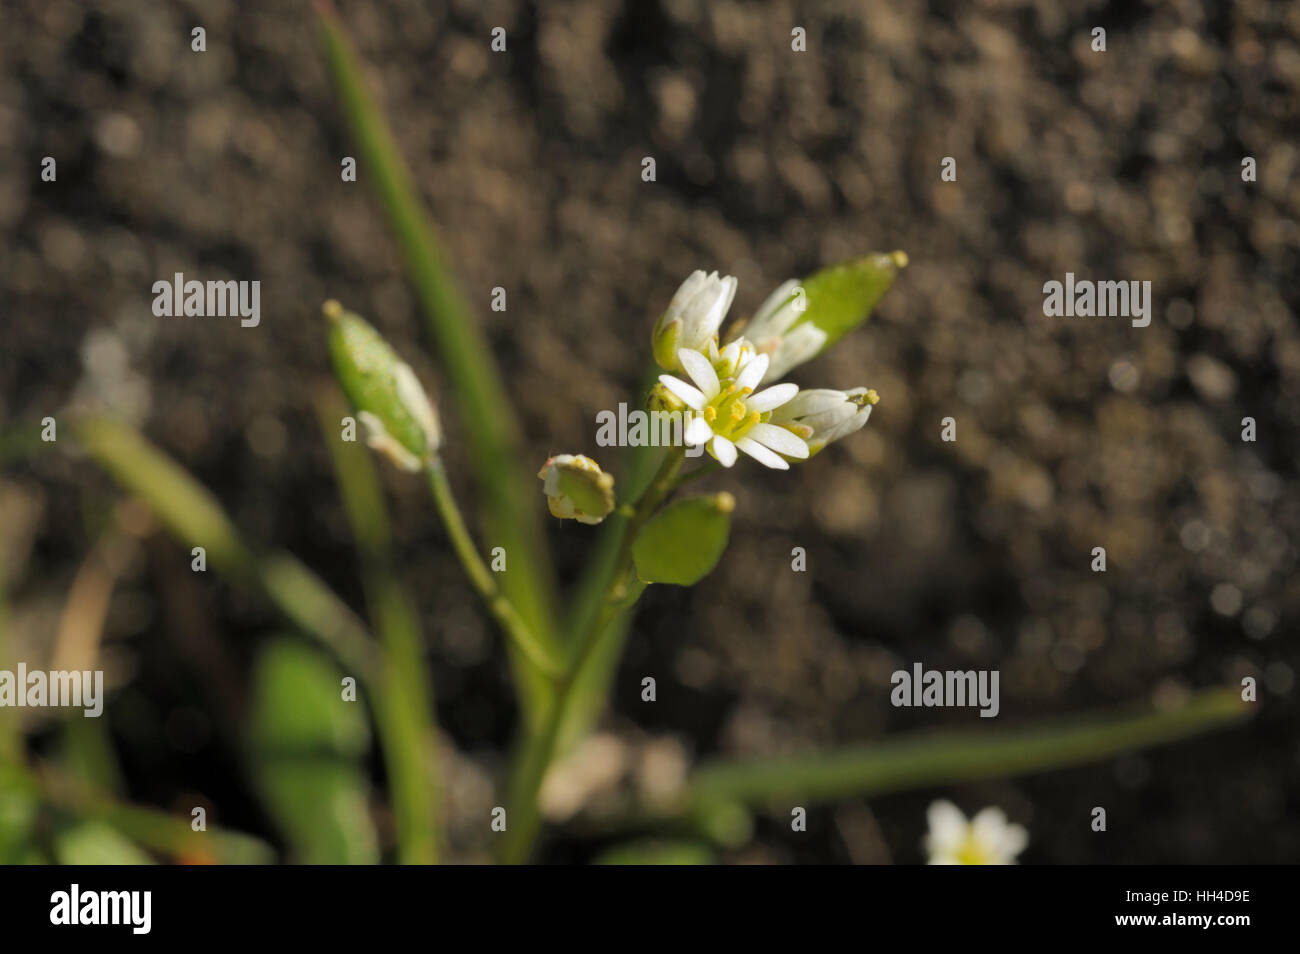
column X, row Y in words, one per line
column 947, row 830
column 1014, row 840
column 822, row 399
column 771, row 398
column 761, row 324
column 686, row 291
column 697, row 432
column 761, row 454
column 686, row 392
column 753, row 371
column 724, row 450
column 798, row 346
column 779, row 440
column 412, row 396
column 701, row 372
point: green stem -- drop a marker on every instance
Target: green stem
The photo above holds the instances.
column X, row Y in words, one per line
column 539, row 748
column 481, row 577
column 702, row 471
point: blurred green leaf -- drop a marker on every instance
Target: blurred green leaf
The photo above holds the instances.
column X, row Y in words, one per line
column 146, row 827
column 509, row 503
column 18, row 812
column 95, row 843
column 403, row 705
column 917, row 761
column 684, row 541
column 307, row 744
column 843, row 296
column 183, row 504
column 656, row 852
column 194, row 517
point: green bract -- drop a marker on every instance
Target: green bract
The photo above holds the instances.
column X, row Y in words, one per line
column 683, row 543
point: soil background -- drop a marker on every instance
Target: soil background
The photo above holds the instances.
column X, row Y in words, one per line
column 1072, row 433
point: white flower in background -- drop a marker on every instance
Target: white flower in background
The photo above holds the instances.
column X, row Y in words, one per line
column 823, row 415
column 770, row 330
column 729, row 416
column 987, row 839
column 693, row 317
column 576, row 488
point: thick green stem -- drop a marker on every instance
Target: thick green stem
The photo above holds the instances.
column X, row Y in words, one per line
column 539, row 748
column 481, row 577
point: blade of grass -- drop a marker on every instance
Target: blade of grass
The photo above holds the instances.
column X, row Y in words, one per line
column 918, row 761
column 195, row 518
column 508, row 497
column 404, row 709
column 148, row 827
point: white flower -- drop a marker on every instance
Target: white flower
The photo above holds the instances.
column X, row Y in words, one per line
column 729, row 416
column 693, row 317
column 987, row 839
column 822, row 415
column 770, row 330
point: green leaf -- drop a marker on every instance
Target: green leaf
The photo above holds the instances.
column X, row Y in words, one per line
column 95, row 843
column 843, row 296
column 187, row 507
column 18, row 812
column 195, row 518
column 920, row 760
column 656, row 852
column 684, row 541
column 307, row 744
column 147, row 827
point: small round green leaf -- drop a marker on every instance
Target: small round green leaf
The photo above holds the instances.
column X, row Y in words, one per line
column 684, row 541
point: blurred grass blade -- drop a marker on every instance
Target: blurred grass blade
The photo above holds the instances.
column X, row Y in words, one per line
column 403, row 707
column 509, row 503
column 945, row 758
column 308, row 744
column 195, row 518
column 96, row 843
column 146, row 827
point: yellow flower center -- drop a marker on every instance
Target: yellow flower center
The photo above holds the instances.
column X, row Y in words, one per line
column 728, row 415
column 972, row 852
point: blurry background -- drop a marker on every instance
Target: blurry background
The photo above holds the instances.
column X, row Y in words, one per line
column 1072, row 433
